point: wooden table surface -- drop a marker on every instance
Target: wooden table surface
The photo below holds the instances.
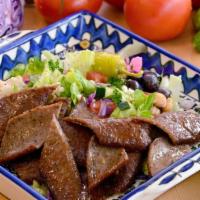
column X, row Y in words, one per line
column 181, row 46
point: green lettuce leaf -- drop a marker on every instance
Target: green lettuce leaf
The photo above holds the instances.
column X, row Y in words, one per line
column 35, row 66
column 19, row 70
column 75, row 93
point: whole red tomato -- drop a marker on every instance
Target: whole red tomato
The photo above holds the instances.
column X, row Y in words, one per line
column 117, row 3
column 157, row 20
column 53, row 10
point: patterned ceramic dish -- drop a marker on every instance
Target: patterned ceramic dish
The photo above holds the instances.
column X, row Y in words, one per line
column 85, row 30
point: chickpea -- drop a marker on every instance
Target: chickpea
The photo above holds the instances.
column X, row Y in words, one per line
column 155, row 111
column 169, row 105
column 160, row 100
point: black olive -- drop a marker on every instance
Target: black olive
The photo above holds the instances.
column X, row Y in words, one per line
column 165, row 91
column 150, row 81
column 133, row 84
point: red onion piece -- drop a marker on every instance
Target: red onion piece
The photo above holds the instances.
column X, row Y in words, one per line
column 90, row 99
column 107, row 106
column 26, row 79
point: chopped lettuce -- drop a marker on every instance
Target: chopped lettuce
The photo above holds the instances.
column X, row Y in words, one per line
column 16, row 71
column 12, row 85
column 139, row 105
column 42, row 189
column 48, row 78
column 139, row 98
column 34, row 66
column 175, row 85
column 80, row 60
column 111, row 65
column 131, row 112
column 88, row 86
column 75, row 84
column 75, row 93
column 143, row 103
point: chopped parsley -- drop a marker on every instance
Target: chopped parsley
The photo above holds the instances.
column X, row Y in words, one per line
column 116, row 96
column 117, row 82
column 53, row 65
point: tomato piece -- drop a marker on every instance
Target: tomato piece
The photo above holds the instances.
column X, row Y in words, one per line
column 103, row 107
column 117, row 3
column 53, row 10
column 97, row 77
column 157, row 20
column 95, row 106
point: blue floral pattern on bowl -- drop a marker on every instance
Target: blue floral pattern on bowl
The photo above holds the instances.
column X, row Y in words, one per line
column 89, row 31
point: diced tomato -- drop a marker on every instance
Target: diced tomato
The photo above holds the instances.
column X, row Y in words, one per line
column 103, row 107
column 97, row 77
column 95, row 106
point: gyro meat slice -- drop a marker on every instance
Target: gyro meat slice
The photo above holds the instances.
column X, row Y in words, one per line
column 66, row 106
column 82, row 111
column 127, row 133
column 17, row 103
column 27, row 168
column 27, row 132
column 57, row 165
column 181, row 127
column 103, row 161
column 162, row 154
column 78, row 138
column 120, row 181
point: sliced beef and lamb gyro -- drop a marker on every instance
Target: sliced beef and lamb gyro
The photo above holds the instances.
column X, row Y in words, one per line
column 118, row 132
column 103, row 161
column 27, row 132
column 57, row 165
column 82, row 111
column 27, row 168
column 120, row 181
column 78, row 137
column 181, row 127
column 162, row 154
column 17, row 103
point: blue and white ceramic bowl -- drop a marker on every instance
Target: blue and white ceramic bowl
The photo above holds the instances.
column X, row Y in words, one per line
column 85, row 30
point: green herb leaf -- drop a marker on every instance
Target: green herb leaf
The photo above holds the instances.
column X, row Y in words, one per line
column 53, row 65
column 117, row 82
column 116, row 96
